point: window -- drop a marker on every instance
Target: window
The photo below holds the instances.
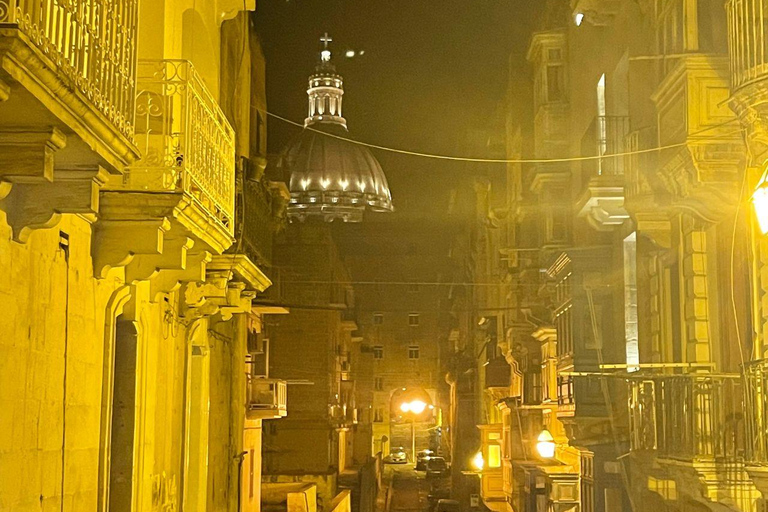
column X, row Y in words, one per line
column 413, row 319
column 555, row 83
column 378, row 415
column 494, row 456
column 378, row 318
column 378, row 352
column 378, row 383
column 413, row 352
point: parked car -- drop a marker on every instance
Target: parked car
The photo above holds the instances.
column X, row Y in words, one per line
column 396, row 455
column 448, row 506
column 436, row 467
column 421, row 459
column 437, row 494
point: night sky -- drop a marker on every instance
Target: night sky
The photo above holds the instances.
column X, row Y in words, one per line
column 433, row 75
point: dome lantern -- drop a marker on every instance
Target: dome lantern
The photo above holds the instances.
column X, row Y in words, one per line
column 330, row 177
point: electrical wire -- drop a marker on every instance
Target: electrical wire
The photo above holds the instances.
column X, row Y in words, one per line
column 499, row 160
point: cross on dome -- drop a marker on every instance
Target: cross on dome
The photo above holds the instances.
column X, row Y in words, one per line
column 325, row 55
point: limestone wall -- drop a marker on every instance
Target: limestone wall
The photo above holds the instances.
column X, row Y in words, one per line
column 52, row 344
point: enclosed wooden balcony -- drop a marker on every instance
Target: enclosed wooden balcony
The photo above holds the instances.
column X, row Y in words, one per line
column 267, row 398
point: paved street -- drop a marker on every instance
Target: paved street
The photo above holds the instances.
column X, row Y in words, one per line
column 409, row 488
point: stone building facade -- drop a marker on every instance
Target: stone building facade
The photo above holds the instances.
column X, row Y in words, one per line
column 128, row 265
column 632, row 277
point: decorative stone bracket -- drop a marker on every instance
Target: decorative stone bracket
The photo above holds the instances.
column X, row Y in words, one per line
column 217, row 295
column 33, row 194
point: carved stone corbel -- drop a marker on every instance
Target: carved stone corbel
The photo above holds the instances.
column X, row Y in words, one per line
column 28, row 152
column 173, row 257
column 36, row 203
column 169, row 280
column 655, row 226
column 206, row 297
column 117, row 242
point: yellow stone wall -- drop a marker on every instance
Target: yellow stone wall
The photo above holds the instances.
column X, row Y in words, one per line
column 51, row 364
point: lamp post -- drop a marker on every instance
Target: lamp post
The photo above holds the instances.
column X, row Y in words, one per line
column 415, row 408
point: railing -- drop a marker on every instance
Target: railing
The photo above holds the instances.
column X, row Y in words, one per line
column 267, row 395
column 747, row 44
column 637, row 164
column 756, row 407
column 187, row 144
column 92, row 43
column 257, row 222
column 606, row 135
column 687, row 416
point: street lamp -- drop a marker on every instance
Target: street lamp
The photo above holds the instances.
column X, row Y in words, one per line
column 760, row 202
column 545, row 445
column 478, row 461
column 415, row 407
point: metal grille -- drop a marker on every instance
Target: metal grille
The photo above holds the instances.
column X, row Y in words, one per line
column 688, row 416
column 756, row 402
column 92, row 43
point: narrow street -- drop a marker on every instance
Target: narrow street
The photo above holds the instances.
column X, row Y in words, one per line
column 407, row 489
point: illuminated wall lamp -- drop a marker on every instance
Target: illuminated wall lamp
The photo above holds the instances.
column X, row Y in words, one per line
column 545, row 445
column 478, row 462
column 760, row 202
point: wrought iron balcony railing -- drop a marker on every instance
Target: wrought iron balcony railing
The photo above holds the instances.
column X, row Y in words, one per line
column 756, row 408
column 186, row 142
column 747, row 40
column 267, row 398
column 686, row 417
column 605, row 136
column 91, row 43
column 257, row 222
column 637, row 164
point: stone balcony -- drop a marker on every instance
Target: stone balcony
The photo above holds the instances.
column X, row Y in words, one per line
column 67, row 96
column 184, row 181
column 267, row 398
column 602, row 200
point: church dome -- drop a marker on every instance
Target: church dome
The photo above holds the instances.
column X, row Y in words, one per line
column 331, row 178
column 334, row 178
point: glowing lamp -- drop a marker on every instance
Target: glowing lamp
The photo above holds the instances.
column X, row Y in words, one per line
column 578, row 18
column 760, row 202
column 545, row 445
column 405, row 407
column 417, row 407
column 478, row 462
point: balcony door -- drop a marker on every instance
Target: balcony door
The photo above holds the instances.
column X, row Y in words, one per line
column 602, row 129
column 123, row 426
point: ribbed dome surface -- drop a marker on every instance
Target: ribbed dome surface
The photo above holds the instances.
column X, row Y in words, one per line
column 333, row 178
